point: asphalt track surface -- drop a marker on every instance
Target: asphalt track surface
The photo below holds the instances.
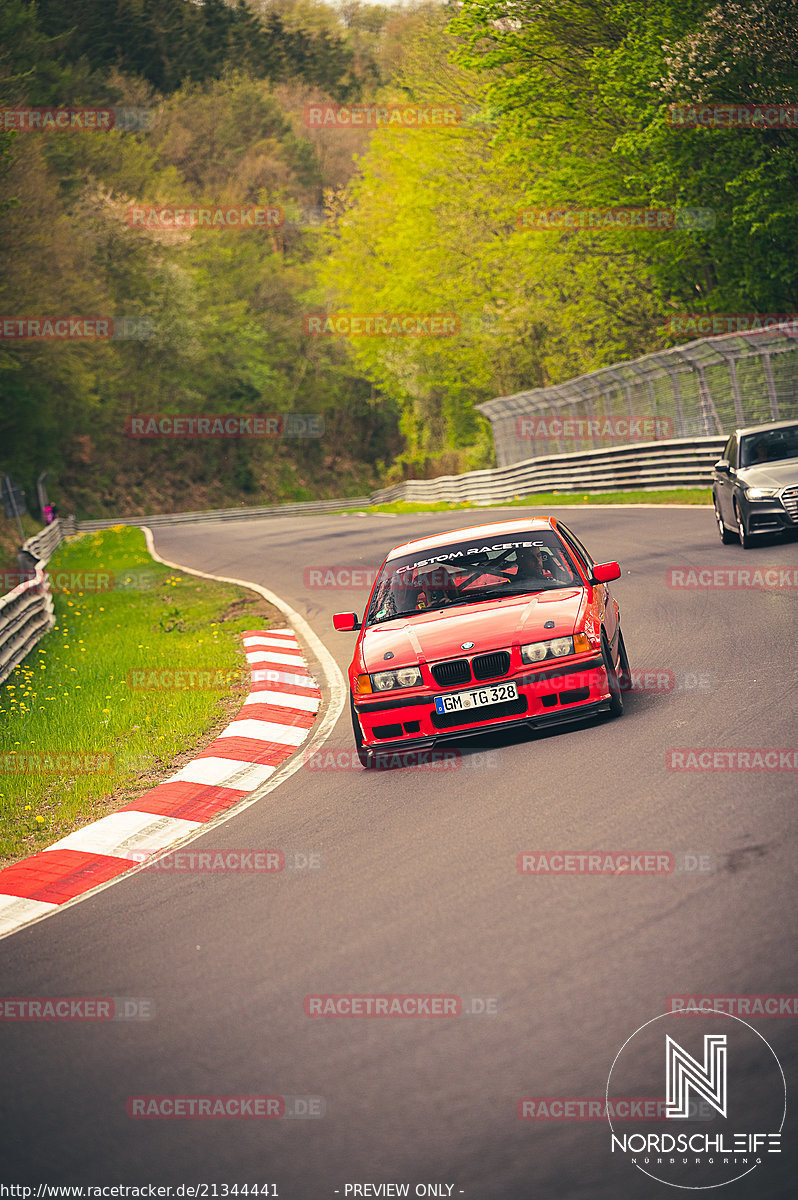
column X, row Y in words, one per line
column 418, row 892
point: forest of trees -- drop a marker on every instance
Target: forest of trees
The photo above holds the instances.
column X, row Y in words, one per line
column 556, row 106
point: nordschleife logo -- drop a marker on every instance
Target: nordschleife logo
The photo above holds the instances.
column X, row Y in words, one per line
column 725, row 1100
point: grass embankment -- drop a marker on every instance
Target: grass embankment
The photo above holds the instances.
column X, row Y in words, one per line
column 80, row 693
column 557, row 499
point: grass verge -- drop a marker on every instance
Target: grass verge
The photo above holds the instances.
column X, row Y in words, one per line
column 103, row 687
column 558, row 499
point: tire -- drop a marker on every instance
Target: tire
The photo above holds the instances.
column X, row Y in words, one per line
column 624, row 674
column 746, row 539
column 613, row 682
column 367, row 759
column 726, row 536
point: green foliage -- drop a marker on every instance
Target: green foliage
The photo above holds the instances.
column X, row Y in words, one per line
column 560, row 103
column 584, row 90
column 225, row 308
column 170, row 42
column 574, row 100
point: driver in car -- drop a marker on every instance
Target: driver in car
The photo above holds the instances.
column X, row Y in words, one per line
column 436, row 586
column 532, row 570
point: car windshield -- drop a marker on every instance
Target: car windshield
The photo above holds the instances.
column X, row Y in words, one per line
column 468, row 572
column 772, row 445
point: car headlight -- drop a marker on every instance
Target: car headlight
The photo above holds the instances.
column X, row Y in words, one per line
column 556, row 648
column 753, row 493
column 402, row 677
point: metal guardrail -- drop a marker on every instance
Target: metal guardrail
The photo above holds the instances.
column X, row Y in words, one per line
column 679, row 463
column 42, row 544
column 229, row 514
column 684, row 462
column 26, row 612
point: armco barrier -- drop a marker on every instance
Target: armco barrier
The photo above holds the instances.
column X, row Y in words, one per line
column 685, row 462
column 682, row 463
column 26, row 613
column 42, row 544
column 229, row 514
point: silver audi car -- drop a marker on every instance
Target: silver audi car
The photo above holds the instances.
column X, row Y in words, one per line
column 755, row 485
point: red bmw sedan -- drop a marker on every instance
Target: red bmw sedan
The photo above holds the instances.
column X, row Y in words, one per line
column 511, row 624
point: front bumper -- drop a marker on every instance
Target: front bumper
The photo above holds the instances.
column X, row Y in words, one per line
column 766, row 516
column 549, row 695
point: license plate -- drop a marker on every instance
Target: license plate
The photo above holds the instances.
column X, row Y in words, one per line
column 497, row 693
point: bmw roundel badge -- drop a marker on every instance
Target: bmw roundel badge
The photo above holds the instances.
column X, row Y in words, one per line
column 466, row 645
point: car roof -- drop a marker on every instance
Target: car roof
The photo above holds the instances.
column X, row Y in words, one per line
column 498, row 529
column 746, row 429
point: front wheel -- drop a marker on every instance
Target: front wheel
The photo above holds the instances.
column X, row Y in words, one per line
column 726, row 536
column 366, row 757
column 746, row 540
column 624, row 673
column 613, row 682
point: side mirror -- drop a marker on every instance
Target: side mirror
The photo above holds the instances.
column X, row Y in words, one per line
column 606, row 572
column 722, row 466
column 345, row 622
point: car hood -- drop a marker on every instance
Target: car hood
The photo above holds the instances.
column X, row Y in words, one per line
column 439, row 634
column 775, row 474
